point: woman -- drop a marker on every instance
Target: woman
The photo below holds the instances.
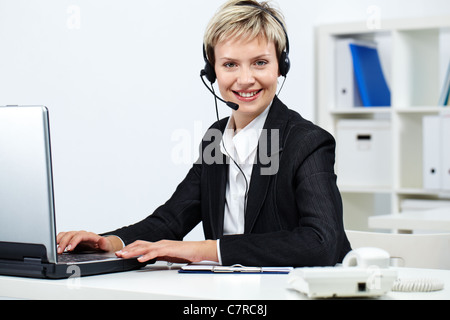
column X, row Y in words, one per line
column 264, row 200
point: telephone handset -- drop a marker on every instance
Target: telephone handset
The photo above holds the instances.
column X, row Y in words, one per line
column 366, row 258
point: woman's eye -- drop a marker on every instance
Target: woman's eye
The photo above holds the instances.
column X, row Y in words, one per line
column 261, row 63
column 229, row 65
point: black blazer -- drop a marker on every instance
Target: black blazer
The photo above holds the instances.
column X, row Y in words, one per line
column 293, row 217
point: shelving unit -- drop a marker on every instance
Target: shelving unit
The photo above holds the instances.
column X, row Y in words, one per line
column 414, row 54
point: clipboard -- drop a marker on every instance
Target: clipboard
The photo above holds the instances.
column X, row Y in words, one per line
column 234, row 269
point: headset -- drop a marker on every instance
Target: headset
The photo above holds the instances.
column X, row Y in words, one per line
column 284, row 63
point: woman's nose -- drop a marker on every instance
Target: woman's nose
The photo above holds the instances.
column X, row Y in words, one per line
column 245, row 76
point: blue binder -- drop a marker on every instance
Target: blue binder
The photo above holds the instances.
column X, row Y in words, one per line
column 369, row 76
column 444, row 99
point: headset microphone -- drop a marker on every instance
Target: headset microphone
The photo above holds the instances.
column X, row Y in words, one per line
column 232, row 105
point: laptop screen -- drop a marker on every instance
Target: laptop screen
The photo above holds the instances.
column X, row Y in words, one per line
column 26, row 188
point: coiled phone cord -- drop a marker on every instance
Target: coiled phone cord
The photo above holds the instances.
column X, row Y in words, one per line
column 418, row 285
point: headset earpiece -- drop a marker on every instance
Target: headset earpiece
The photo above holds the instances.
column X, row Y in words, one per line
column 284, row 64
column 208, row 71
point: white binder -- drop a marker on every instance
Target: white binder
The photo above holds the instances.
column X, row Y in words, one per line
column 347, row 94
column 445, row 149
column 432, row 152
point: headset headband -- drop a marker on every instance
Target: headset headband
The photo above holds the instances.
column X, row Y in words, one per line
column 249, row 4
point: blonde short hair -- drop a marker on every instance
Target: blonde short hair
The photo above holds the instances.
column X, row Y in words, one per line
column 237, row 18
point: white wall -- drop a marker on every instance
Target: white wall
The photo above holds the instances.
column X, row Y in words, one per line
column 121, row 81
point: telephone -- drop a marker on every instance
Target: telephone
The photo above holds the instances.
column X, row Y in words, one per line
column 364, row 273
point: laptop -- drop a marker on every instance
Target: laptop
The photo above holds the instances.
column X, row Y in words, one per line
column 27, row 212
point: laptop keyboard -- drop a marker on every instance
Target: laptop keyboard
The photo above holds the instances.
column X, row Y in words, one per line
column 71, row 258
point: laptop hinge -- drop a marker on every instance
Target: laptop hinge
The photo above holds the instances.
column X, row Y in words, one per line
column 29, row 253
column 32, row 260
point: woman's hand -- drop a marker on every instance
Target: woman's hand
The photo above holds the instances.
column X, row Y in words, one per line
column 171, row 251
column 68, row 241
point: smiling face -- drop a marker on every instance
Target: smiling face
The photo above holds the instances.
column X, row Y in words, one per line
column 247, row 73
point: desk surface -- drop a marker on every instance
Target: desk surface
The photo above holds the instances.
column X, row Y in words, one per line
column 164, row 283
column 434, row 220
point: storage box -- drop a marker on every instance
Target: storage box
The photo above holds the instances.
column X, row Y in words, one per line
column 363, row 153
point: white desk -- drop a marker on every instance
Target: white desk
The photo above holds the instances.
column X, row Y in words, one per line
column 158, row 282
column 433, row 220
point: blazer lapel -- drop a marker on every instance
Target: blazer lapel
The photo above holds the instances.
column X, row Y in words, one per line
column 217, row 188
column 267, row 161
column 217, row 177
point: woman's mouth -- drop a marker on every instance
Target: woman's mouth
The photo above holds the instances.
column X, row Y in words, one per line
column 247, row 95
